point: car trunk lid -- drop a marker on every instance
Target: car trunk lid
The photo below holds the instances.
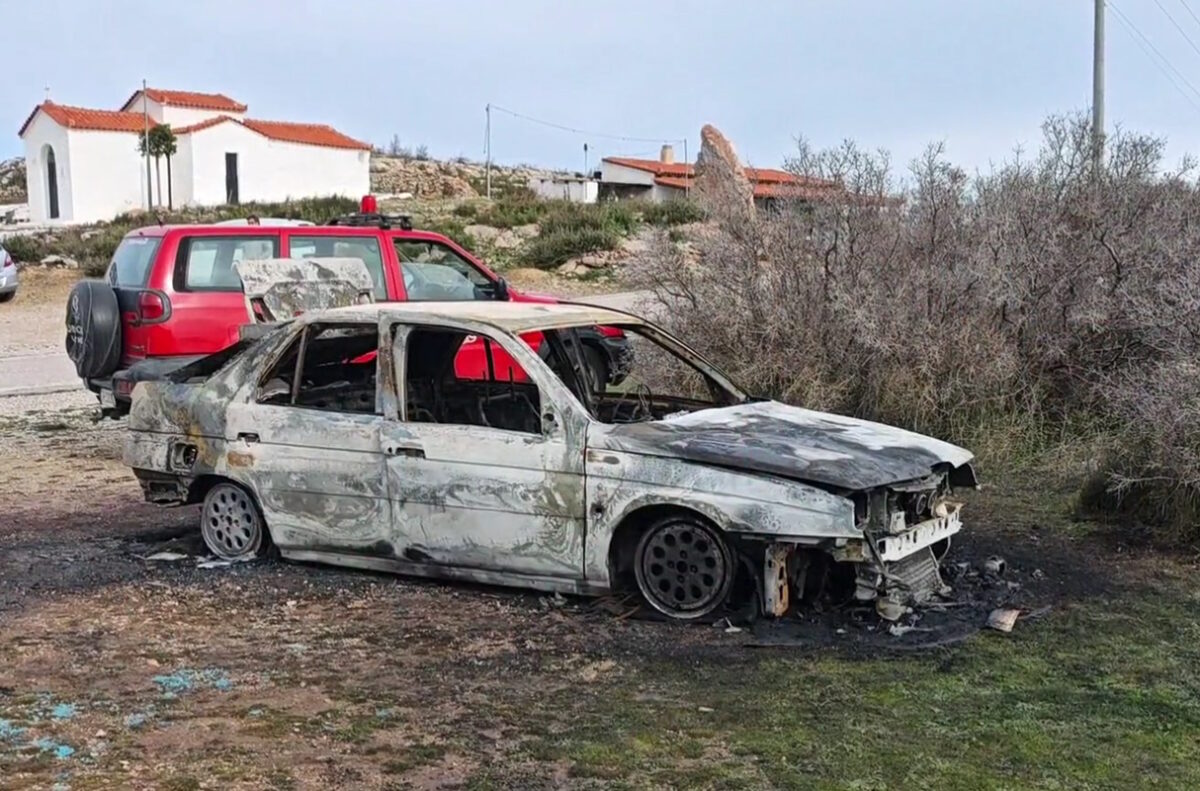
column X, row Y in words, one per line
column 278, row 289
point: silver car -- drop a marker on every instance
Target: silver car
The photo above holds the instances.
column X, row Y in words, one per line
column 8, row 276
column 463, row 440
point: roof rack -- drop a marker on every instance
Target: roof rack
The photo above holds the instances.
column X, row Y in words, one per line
column 375, row 220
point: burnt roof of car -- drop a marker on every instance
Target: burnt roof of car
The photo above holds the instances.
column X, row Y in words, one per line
column 511, row 316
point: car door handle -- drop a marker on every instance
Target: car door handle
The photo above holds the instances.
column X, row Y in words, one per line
column 247, row 437
column 404, row 450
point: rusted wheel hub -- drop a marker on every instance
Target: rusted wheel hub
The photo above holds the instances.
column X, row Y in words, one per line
column 683, row 568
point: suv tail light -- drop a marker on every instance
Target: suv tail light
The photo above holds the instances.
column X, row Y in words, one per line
column 6, row 261
column 152, row 307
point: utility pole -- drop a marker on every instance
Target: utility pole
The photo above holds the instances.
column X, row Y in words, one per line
column 146, row 146
column 585, row 152
column 487, row 148
column 687, row 190
column 1098, row 86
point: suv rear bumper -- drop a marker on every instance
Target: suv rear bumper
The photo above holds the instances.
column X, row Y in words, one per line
column 114, row 392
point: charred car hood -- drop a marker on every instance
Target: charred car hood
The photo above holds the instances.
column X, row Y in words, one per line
column 801, row 444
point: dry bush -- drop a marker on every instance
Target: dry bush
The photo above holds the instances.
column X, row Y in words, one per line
column 1009, row 308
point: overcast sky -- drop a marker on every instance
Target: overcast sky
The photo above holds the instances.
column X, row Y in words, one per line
column 980, row 76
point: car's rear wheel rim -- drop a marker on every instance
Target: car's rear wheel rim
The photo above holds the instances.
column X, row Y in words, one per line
column 230, row 523
column 683, row 568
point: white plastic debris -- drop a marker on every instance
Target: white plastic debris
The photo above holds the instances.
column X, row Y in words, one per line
column 167, row 557
column 1003, row 620
column 995, row 565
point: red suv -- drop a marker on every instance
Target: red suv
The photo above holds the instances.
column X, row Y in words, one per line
column 172, row 295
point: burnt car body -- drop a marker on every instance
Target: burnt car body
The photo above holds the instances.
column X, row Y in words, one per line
column 347, row 437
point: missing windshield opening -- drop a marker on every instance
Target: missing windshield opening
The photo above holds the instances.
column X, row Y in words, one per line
column 630, row 374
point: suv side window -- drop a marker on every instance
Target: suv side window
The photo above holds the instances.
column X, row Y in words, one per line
column 433, row 272
column 329, row 367
column 364, row 248
column 205, row 263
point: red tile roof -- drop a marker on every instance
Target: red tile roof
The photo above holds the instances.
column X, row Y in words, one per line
column 199, row 101
column 654, row 166
column 680, row 171
column 205, row 124
column 766, row 189
column 120, row 121
column 672, row 181
column 84, row 118
column 308, row 134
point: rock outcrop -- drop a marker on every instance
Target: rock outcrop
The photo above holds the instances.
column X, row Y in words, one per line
column 419, row 178
column 12, row 181
column 721, row 184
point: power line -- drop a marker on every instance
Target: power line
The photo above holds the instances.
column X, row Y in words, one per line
column 1145, row 43
column 1182, row 32
column 564, row 128
column 1188, row 8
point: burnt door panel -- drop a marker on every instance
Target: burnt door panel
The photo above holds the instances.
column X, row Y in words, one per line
column 485, row 498
column 319, row 476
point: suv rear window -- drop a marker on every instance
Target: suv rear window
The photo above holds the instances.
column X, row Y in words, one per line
column 130, row 264
column 205, row 263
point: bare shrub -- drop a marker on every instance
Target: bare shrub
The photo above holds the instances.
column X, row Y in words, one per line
column 1043, row 295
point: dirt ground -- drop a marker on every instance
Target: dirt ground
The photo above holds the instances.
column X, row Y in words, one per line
column 117, row 671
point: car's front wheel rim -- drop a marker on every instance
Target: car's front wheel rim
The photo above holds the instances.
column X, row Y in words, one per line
column 684, row 568
column 230, row 523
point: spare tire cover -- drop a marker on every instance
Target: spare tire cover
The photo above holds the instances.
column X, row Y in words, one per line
column 93, row 329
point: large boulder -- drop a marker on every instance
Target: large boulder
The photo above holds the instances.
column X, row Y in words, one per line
column 722, row 188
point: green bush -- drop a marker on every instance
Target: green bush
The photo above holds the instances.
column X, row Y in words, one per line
column 672, row 212
column 517, row 208
column 552, row 249
column 562, row 216
column 26, row 249
column 467, row 211
column 449, row 227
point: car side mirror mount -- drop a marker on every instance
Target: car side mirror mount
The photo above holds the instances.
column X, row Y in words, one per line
column 501, row 290
column 549, row 424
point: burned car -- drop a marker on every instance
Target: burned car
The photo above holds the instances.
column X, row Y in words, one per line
column 466, row 441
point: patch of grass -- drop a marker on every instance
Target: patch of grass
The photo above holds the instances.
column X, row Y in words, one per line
column 412, row 757
column 280, row 779
column 180, row 783
column 1103, row 694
